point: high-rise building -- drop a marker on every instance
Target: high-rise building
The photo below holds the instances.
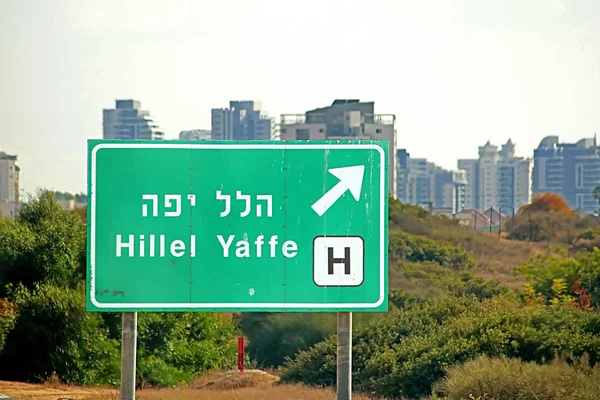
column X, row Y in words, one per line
column 497, row 178
column 9, row 185
column 571, row 170
column 243, row 120
column 423, row 183
column 127, row 121
column 195, row 134
column 513, row 179
column 471, row 169
column 344, row 120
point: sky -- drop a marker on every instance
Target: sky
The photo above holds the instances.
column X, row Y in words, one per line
column 455, row 73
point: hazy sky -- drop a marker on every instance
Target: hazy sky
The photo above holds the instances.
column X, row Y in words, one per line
column 455, row 73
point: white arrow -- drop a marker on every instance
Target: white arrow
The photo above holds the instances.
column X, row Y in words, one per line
column 350, row 179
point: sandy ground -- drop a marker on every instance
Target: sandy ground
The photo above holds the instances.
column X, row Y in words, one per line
column 252, row 385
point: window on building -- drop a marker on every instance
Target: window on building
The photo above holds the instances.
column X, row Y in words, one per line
column 302, row 134
column 377, row 130
column 579, row 176
column 579, row 201
column 283, row 130
column 321, row 130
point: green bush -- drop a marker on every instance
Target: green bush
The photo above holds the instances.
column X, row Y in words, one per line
column 275, row 337
column 43, row 244
column 8, row 316
column 500, row 379
column 403, row 354
column 403, row 300
column 192, row 343
column 54, row 333
column 153, row 371
column 450, row 282
column 405, row 246
column 581, row 275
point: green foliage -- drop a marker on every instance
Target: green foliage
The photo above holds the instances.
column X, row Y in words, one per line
column 414, row 248
column 588, row 234
column 403, row 300
column 404, row 353
column 54, row 333
column 44, row 244
column 499, row 379
column 451, row 282
column 42, row 270
column 573, row 277
column 153, row 371
column 8, row 316
column 190, row 342
column 274, row 337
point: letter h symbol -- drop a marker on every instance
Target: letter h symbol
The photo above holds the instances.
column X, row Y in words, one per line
column 331, row 260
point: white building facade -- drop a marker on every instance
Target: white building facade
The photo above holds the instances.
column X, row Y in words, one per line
column 497, row 179
column 127, row 121
column 10, row 190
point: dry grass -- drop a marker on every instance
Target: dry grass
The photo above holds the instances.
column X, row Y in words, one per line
column 229, row 380
column 221, row 386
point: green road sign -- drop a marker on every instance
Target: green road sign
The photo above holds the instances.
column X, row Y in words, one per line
column 248, row 226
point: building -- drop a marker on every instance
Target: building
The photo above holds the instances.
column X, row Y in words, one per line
column 497, row 178
column 571, row 170
column 195, row 134
column 423, row 183
column 243, row 120
column 129, row 122
column 10, row 190
column 471, row 169
column 69, row 202
column 474, row 219
column 344, row 120
column 513, row 179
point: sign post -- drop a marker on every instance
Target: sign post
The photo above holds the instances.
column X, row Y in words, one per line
column 128, row 355
column 344, row 356
column 293, row 226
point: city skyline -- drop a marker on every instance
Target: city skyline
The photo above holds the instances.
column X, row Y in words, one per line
column 453, row 73
column 127, row 104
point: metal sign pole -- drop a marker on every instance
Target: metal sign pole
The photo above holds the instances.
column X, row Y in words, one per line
column 344, row 356
column 128, row 355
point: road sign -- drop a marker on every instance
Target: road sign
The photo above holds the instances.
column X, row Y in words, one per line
column 248, row 226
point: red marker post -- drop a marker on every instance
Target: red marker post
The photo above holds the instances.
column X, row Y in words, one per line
column 241, row 354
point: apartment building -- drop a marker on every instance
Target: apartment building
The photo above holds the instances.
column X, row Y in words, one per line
column 243, row 120
column 345, row 119
column 497, row 178
column 423, row 183
column 571, row 170
column 10, row 190
column 127, row 121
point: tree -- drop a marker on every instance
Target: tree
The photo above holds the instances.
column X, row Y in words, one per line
column 596, row 193
column 547, row 202
column 43, row 244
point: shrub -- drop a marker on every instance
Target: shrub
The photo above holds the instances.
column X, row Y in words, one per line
column 187, row 344
column 409, row 247
column 547, row 202
column 8, row 316
column 53, row 333
column 404, row 353
column 499, row 379
column 451, row 282
column 43, row 244
column 275, row 337
column 581, row 275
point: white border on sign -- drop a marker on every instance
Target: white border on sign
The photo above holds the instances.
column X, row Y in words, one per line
column 190, row 305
